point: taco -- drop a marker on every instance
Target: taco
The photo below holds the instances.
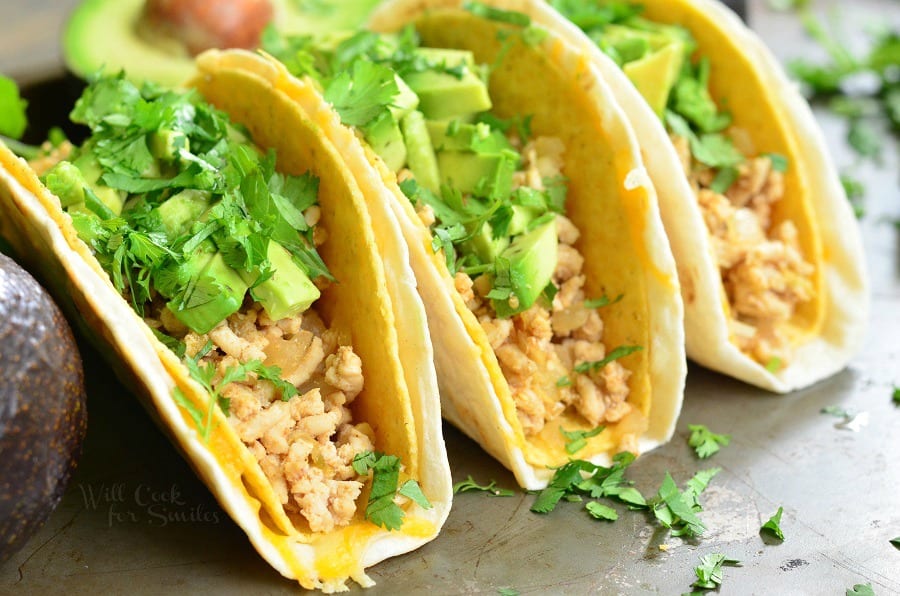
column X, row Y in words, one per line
column 769, row 255
column 233, row 273
column 551, row 294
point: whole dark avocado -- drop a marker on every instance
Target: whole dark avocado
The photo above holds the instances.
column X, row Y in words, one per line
column 43, row 409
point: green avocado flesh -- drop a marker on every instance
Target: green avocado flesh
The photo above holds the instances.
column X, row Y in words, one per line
column 457, row 157
column 201, row 217
column 103, row 34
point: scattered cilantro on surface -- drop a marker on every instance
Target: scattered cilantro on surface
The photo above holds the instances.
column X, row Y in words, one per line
column 705, row 442
column 710, row 573
column 507, row 592
column 579, row 478
column 836, row 411
column 601, row 511
column 677, row 509
column 896, row 396
column 576, row 440
column 469, row 485
column 861, row 590
column 381, row 509
column 773, row 526
column 896, row 542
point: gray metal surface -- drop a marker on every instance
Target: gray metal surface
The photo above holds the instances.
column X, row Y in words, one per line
column 136, row 520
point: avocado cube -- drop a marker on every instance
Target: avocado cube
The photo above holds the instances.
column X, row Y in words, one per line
column 459, row 136
column 484, row 245
column 405, row 101
column 289, row 291
column 91, row 171
column 180, row 211
column 67, row 182
column 384, row 136
column 420, row 155
column 443, row 95
column 532, row 259
column 486, row 175
column 655, row 74
column 216, row 292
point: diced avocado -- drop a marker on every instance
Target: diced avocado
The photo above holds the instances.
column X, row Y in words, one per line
column 420, row 155
column 90, row 169
column 383, row 135
column 486, row 175
column 532, row 260
column 522, row 216
column 484, row 245
column 216, row 292
column 289, row 291
column 180, row 211
column 459, row 136
column 405, row 101
column 67, row 182
column 442, row 95
column 655, row 74
column 165, row 144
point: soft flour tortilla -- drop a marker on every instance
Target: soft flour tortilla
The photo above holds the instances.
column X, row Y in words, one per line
column 611, row 201
column 747, row 79
column 374, row 306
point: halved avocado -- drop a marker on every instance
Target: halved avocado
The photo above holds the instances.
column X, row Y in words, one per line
column 43, row 409
column 103, row 35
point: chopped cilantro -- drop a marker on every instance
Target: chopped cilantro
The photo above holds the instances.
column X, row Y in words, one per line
column 774, row 364
column 710, row 573
column 602, row 301
column 507, row 592
column 619, row 352
column 896, row 396
column 861, row 590
column 600, row 511
column 779, row 162
column 469, row 485
column 725, row 177
column 676, row 509
column 576, row 440
column 836, row 411
column 364, row 93
column 205, row 374
column 855, row 191
column 564, row 381
column 381, row 509
column 773, row 526
column 705, row 442
column 896, row 542
column 580, row 477
column 12, row 109
column 496, row 14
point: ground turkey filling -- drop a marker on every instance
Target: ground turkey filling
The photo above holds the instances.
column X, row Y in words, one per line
column 538, row 349
column 305, row 445
column 763, row 271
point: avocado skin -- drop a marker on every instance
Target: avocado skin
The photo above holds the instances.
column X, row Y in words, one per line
column 43, row 408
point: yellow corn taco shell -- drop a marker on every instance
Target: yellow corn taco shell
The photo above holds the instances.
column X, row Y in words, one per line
column 769, row 116
column 611, row 201
column 373, row 306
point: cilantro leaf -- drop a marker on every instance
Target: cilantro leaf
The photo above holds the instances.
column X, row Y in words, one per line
column 576, row 440
column 896, row 542
column 710, row 573
column 469, row 485
column 619, row 352
column 602, row 301
column 361, row 95
column 773, row 526
column 507, row 592
column 676, row 509
column 836, row 411
column 896, row 396
column 12, row 109
column 692, row 101
column 381, row 509
column 705, row 442
column 561, row 484
column 861, row 590
column 600, row 511
column 496, row 14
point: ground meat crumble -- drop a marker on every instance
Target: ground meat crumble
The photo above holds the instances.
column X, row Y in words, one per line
column 538, row 349
column 763, row 270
